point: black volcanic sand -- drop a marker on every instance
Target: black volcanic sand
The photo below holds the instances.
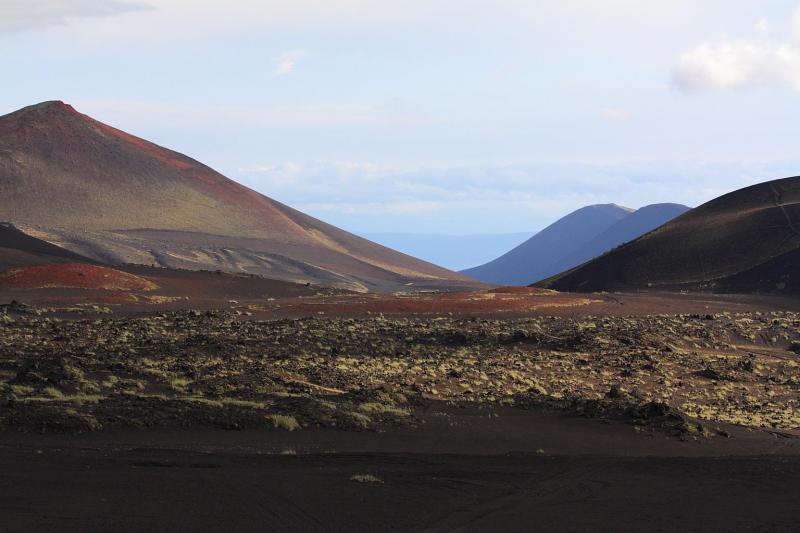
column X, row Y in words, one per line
column 468, row 469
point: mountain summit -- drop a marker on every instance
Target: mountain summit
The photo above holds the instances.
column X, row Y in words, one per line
column 107, row 195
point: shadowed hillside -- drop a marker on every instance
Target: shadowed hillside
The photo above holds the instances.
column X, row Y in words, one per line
column 110, row 196
column 746, row 241
column 18, row 249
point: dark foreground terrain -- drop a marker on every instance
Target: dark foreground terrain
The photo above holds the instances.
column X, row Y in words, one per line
column 494, row 470
column 529, row 411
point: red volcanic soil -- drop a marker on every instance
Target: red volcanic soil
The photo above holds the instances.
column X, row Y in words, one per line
column 513, row 289
column 478, row 303
column 214, row 289
column 504, row 305
column 138, row 288
column 74, row 275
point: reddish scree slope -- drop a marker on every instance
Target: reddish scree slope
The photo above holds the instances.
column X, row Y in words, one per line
column 74, row 276
column 108, row 195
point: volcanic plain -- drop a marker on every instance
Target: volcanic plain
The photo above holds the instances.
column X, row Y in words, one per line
column 311, row 409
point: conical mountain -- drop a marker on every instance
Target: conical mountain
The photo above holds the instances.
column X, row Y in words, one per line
column 107, row 195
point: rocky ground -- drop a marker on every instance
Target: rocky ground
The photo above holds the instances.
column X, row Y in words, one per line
column 683, row 374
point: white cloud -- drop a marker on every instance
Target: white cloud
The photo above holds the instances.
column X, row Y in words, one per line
column 758, row 61
column 287, row 62
column 25, row 14
column 615, row 114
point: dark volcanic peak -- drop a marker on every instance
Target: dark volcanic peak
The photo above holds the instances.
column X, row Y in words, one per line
column 51, row 106
column 743, row 241
column 117, row 198
column 50, row 112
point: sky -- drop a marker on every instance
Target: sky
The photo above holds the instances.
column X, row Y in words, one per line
column 432, row 116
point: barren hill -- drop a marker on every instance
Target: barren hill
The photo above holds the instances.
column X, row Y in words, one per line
column 744, row 241
column 98, row 191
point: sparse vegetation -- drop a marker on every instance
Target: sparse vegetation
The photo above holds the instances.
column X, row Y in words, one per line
column 193, row 368
column 289, row 423
column 179, row 383
column 379, row 408
column 360, row 420
column 53, row 392
column 21, row 390
column 365, row 478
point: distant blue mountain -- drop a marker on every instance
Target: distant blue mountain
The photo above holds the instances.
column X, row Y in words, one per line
column 450, row 251
column 572, row 240
column 634, row 225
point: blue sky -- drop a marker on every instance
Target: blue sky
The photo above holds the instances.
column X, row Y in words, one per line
column 432, row 116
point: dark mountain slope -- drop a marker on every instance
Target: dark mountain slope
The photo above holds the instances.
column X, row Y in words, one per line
column 711, row 244
column 778, row 275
